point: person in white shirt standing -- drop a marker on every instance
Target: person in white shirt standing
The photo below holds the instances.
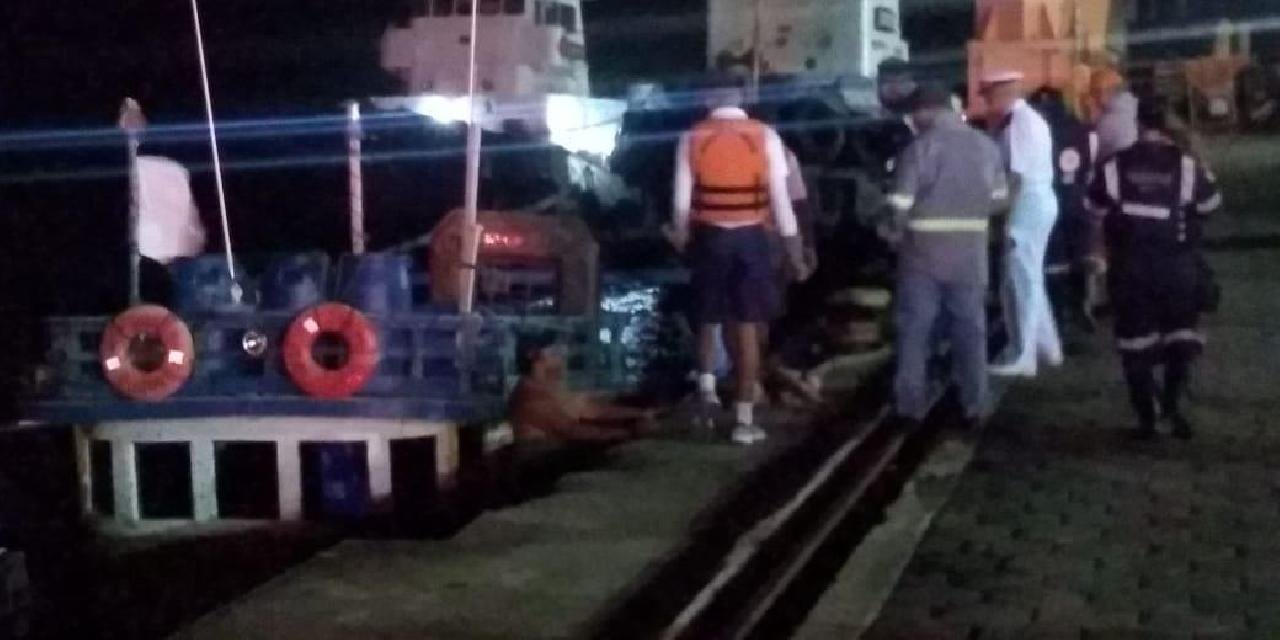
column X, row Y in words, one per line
column 169, row 226
column 1027, row 144
column 730, row 178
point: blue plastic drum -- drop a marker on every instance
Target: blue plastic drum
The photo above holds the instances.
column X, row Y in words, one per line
column 202, row 285
column 293, row 282
column 376, row 283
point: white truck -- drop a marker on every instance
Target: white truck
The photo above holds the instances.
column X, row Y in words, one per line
column 821, row 38
column 526, row 48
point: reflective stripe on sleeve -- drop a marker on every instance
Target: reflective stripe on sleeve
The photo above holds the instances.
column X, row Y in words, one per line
column 1184, row 335
column 901, row 201
column 1138, row 344
column 1145, row 211
column 1210, row 205
column 1188, row 180
column 1111, row 173
column 948, row 225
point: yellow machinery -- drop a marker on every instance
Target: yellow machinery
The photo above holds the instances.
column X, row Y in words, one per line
column 1054, row 43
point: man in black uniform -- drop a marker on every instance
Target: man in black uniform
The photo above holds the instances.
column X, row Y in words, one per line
column 1155, row 197
column 1074, row 245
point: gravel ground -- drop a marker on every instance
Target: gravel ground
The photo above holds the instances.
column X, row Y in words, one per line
column 1064, row 529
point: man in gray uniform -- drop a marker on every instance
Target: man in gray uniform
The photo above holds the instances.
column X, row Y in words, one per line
column 951, row 180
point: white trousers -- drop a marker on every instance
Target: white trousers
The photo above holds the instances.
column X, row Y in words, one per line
column 1033, row 333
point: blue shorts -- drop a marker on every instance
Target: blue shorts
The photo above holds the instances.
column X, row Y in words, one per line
column 733, row 275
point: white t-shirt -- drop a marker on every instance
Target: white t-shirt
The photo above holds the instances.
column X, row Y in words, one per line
column 1027, row 143
column 169, row 224
column 795, row 178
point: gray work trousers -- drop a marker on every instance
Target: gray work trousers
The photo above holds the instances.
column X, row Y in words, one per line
column 922, row 302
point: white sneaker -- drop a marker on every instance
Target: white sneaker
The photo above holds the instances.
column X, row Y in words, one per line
column 748, row 434
column 706, row 411
column 710, row 400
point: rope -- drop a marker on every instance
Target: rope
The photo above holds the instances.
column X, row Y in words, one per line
column 213, row 145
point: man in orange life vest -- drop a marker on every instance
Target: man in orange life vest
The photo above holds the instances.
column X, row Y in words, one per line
column 730, row 178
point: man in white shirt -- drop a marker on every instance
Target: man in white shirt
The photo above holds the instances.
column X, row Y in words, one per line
column 1027, row 144
column 169, row 225
column 730, row 180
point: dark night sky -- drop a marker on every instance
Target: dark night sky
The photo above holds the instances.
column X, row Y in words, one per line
column 72, row 60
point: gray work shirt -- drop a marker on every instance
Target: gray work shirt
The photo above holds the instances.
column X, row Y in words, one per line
column 950, row 181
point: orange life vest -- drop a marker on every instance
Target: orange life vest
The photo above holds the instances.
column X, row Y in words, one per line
column 730, row 172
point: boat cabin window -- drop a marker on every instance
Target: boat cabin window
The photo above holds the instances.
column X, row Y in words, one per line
column 463, row 7
column 490, row 7
column 441, row 8
column 557, row 14
column 886, row 20
column 513, row 7
column 569, row 18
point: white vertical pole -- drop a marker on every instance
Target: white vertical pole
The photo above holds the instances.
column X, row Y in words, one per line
column 470, row 232
column 289, row 479
column 204, row 481
column 135, row 213
column 756, row 54
column 132, row 122
column 124, row 480
column 378, row 450
column 448, row 457
column 355, row 177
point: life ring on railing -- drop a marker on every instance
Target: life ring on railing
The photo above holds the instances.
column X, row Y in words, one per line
column 331, row 351
column 147, row 353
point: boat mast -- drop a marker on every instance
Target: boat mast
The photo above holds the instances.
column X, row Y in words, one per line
column 470, row 229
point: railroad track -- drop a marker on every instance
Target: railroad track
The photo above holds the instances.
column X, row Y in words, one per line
column 760, row 561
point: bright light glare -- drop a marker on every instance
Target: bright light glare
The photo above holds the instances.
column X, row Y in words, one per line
column 443, row 109
column 583, row 125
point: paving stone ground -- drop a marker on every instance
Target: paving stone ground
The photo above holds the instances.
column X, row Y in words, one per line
column 1062, row 528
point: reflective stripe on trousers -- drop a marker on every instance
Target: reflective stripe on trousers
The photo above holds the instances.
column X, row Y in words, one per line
column 949, row 225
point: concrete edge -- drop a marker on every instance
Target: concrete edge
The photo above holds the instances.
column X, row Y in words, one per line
column 866, row 582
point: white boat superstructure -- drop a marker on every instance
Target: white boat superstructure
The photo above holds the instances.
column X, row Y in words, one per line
column 526, row 47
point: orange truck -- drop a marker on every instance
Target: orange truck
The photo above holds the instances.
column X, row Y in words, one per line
column 1053, row 43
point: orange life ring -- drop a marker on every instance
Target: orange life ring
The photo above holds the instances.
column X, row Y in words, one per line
column 147, row 353
column 352, row 341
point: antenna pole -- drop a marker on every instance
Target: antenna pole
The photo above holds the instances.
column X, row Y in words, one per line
column 236, row 292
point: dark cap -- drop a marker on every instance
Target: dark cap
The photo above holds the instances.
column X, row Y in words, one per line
column 1153, row 113
column 931, row 95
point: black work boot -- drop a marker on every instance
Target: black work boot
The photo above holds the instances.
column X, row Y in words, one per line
column 1176, row 373
column 908, row 425
column 1141, row 382
column 1181, row 427
column 1145, row 431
